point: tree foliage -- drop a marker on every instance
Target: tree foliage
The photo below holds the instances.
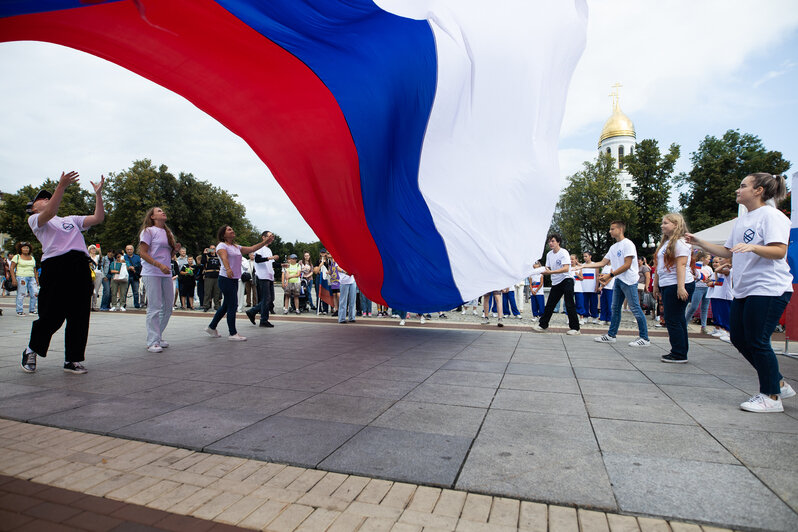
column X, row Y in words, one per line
column 587, row 206
column 652, row 173
column 719, row 165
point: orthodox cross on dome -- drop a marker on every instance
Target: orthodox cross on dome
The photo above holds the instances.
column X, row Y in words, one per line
column 615, row 96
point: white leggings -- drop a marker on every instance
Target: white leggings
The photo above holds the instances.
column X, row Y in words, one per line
column 160, row 296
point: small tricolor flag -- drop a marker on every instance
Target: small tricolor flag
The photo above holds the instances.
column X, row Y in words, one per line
column 791, row 322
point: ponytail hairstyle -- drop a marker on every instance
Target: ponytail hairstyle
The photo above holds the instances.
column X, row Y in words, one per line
column 148, row 222
column 773, row 186
column 681, row 228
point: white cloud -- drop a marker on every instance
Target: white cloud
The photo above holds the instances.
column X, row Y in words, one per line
column 786, row 67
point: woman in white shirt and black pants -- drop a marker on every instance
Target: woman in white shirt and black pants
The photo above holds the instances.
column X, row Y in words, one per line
column 761, row 283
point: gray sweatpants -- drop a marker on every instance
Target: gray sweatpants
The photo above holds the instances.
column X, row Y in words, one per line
column 160, row 295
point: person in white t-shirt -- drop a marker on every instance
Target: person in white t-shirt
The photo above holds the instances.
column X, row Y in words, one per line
column 558, row 265
column 761, row 283
column 536, row 300
column 579, row 300
column 675, row 280
column 65, row 280
column 622, row 259
column 719, row 295
column 590, row 289
column 264, row 272
column 606, row 285
column 156, row 246
column 701, row 272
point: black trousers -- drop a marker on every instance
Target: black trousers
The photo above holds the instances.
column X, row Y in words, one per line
column 564, row 288
column 64, row 295
column 266, row 295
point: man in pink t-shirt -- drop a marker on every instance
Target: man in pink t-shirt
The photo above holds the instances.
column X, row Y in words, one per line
column 66, row 275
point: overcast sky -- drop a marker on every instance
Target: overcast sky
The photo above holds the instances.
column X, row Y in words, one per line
column 688, row 69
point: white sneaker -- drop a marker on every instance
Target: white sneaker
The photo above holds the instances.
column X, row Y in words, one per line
column 786, row 391
column 573, row 332
column 213, row 332
column 475, row 312
column 581, row 321
column 112, row 309
column 401, row 322
column 423, row 320
column 155, row 348
column 762, row 403
column 605, row 339
column 718, row 333
column 163, row 343
column 725, row 338
column 640, row 342
column 537, row 328
column 123, row 309
column 596, row 321
column 463, row 312
column 237, row 338
column 494, row 315
column 285, row 311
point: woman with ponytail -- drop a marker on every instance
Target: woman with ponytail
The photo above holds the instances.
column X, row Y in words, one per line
column 761, row 283
column 156, row 247
column 675, row 281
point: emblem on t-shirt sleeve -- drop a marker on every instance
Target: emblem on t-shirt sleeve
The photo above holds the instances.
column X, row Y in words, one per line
column 748, row 236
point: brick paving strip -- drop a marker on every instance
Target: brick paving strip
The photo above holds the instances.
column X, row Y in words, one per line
column 54, row 479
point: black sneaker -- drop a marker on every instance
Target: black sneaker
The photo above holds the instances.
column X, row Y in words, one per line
column 251, row 317
column 28, row 362
column 443, row 316
column 266, row 324
column 670, row 358
column 428, row 316
column 75, row 367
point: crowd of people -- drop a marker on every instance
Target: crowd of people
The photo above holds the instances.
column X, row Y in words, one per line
column 746, row 283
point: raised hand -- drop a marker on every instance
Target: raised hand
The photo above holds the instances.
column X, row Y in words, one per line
column 68, row 179
column 98, row 186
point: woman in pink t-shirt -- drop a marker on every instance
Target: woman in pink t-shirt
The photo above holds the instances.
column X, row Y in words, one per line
column 229, row 273
column 156, row 246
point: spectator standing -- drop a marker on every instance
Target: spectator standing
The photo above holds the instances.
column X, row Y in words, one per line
column 180, row 260
column 348, row 299
column 307, row 275
column 701, row 272
column 675, row 280
column 230, row 255
column 199, row 278
column 291, row 284
column 156, row 246
column 761, row 284
column 211, row 267
column 133, row 264
column 590, row 289
column 119, row 283
column 622, row 259
column 25, row 277
column 536, row 299
column 264, row 273
column 108, row 259
column 186, row 282
column 579, row 299
column 251, row 286
column 65, row 275
column 719, row 295
column 96, row 266
column 606, row 295
column 558, row 265
column 246, row 276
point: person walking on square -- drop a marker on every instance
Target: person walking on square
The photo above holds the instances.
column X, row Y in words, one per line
column 558, row 265
column 264, row 272
column 675, row 280
column 761, row 283
column 622, row 259
column 156, row 246
column 65, row 275
column 24, row 276
column 230, row 255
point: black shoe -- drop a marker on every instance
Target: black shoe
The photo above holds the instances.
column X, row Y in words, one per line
column 442, row 316
column 428, row 316
column 266, row 324
column 670, row 358
column 251, row 317
column 28, row 362
column 75, row 367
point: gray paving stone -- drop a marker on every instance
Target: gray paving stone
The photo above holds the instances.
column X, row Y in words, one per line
column 303, row 380
column 659, row 440
column 686, row 379
column 627, row 389
column 107, row 414
column 541, row 384
column 397, row 373
column 296, row 441
column 472, row 365
column 725, row 494
column 432, row 418
column 543, row 402
column 782, row 482
column 8, row 389
column 28, row 406
column 257, row 399
column 541, row 370
column 193, row 427
column 760, row 449
column 514, row 454
column 339, row 408
column 618, row 375
column 373, row 388
column 401, row 455
column 637, row 408
column 466, row 378
column 184, row 392
column 447, row 394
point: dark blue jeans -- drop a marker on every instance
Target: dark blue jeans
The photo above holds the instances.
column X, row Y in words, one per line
column 133, row 284
column 229, row 289
column 265, row 292
column 105, row 304
column 673, row 310
column 752, row 322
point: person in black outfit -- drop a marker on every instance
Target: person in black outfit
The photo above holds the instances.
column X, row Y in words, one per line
column 211, row 266
column 186, row 282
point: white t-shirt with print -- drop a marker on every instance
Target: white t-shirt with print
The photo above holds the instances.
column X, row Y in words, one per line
column 617, row 257
column 59, row 235
column 555, row 261
column 667, row 276
column 611, row 284
column 753, row 275
column 264, row 270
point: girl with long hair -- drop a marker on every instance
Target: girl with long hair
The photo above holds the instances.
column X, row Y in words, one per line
column 230, row 255
column 761, row 283
column 675, row 281
column 156, row 247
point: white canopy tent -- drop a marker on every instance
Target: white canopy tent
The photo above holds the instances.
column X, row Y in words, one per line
column 717, row 234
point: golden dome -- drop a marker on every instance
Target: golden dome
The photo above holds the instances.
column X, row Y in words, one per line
column 618, row 125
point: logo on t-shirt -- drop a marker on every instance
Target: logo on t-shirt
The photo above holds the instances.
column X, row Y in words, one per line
column 619, row 253
column 748, row 236
column 67, row 226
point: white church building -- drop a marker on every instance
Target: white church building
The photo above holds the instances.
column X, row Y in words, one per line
column 618, row 139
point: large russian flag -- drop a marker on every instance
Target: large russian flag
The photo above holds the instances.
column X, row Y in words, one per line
column 791, row 314
column 418, row 138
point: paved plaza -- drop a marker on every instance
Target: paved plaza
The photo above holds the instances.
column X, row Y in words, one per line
column 540, row 417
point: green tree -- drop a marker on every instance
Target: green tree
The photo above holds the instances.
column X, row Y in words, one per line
column 14, row 219
column 719, row 165
column 651, row 190
column 590, row 202
column 195, row 209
